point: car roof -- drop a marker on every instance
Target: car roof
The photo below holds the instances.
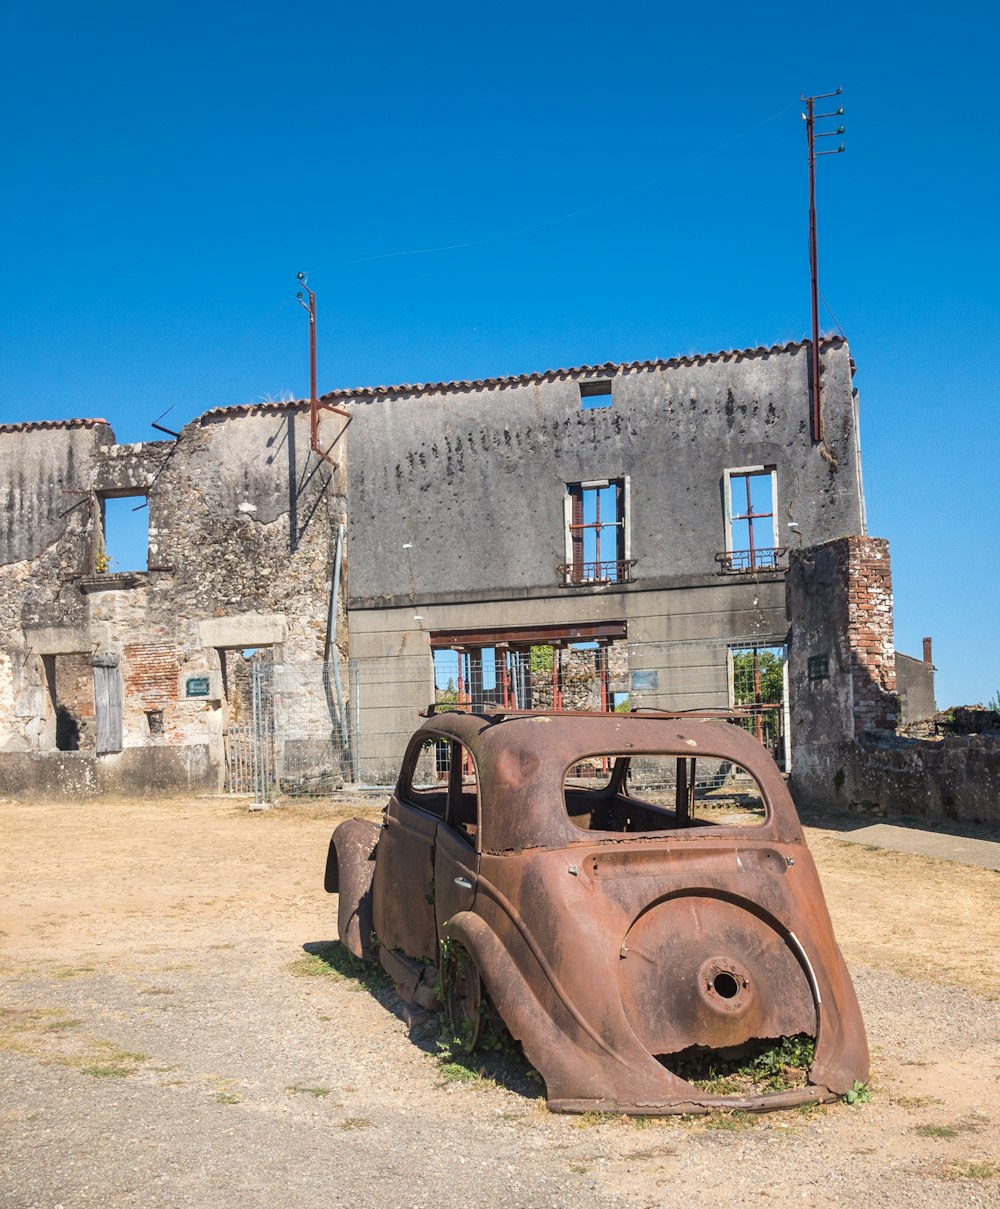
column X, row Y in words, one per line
column 521, row 759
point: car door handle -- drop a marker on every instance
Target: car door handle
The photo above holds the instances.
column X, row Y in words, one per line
column 463, row 882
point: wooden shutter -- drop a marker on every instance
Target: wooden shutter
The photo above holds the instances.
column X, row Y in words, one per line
column 576, row 530
column 107, row 702
column 620, row 531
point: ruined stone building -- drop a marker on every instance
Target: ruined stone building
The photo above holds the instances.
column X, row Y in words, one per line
column 133, row 680
column 602, row 537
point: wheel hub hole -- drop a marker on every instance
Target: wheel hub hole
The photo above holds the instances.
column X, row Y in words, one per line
column 726, row 986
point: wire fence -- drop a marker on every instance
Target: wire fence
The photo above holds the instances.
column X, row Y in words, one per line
column 299, row 732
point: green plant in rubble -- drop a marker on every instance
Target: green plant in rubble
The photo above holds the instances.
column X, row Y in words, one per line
column 776, row 1067
column 859, row 1094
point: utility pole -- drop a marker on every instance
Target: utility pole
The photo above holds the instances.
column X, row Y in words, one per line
column 810, row 117
column 310, row 307
column 314, row 403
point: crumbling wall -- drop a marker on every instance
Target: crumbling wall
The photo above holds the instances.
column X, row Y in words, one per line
column 846, row 754
column 956, row 778
column 841, row 661
column 242, row 528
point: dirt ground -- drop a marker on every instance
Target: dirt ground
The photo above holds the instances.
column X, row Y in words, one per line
column 167, row 1039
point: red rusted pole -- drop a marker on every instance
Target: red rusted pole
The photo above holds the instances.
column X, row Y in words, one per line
column 817, row 415
column 811, row 118
column 756, row 695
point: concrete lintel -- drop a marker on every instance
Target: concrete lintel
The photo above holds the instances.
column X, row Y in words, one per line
column 244, row 630
column 590, row 593
column 59, row 640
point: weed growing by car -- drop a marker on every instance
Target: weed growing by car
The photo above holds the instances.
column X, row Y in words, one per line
column 496, row 1058
column 769, row 1067
column 330, row 959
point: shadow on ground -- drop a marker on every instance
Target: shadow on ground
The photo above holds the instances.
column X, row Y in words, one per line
column 497, row 1058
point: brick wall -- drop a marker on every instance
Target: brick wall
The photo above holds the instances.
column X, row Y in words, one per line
column 151, row 674
column 870, row 632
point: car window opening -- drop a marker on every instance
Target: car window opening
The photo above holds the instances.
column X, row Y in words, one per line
column 441, row 778
column 638, row 793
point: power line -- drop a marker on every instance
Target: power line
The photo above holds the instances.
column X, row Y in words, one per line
column 548, row 222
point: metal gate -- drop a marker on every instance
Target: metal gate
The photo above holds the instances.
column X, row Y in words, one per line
column 249, row 741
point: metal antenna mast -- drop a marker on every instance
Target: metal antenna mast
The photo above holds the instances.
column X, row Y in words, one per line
column 314, row 403
column 810, row 117
column 310, row 307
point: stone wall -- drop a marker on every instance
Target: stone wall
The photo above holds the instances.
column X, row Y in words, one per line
column 243, row 521
column 846, row 754
column 955, row 778
column 841, row 663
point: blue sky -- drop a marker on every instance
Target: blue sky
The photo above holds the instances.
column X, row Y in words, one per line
column 614, row 182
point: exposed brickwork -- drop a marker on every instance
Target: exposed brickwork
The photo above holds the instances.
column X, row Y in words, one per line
column 870, row 632
column 151, row 673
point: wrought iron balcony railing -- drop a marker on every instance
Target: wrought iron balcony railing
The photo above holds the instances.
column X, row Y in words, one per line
column 740, row 562
column 613, row 571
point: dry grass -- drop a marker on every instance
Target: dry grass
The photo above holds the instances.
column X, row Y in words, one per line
column 925, row 899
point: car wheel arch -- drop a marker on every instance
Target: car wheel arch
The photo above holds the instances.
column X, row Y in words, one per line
column 350, row 873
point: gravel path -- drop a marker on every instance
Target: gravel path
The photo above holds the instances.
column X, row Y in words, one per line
column 178, row 1051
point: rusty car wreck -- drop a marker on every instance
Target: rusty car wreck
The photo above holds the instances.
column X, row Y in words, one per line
column 630, row 893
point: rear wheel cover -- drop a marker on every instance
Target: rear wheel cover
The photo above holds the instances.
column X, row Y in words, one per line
column 463, row 996
column 699, row 970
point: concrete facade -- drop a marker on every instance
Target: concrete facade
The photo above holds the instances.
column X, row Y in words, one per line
column 915, row 686
column 458, row 504
column 115, row 682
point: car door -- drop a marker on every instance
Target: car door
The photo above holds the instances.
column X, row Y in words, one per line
column 456, row 856
column 403, row 906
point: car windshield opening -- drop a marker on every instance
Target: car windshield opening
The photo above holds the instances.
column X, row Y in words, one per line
column 615, row 792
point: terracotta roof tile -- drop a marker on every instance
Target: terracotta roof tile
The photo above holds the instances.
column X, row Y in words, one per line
column 580, row 371
column 42, row 425
column 549, row 375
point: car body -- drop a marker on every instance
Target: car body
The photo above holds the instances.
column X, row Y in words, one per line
column 615, row 936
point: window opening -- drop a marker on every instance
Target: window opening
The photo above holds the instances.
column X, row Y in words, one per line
column 429, row 775
column 125, row 534
column 597, row 533
column 750, row 502
column 463, row 793
column 615, row 793
column 757, row 692
column 595, row 394
column 510, row 675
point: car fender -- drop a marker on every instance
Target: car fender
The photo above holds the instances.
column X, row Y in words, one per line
column 350, row 869
column 565, row 1061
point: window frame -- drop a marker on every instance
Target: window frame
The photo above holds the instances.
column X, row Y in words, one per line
column 680, row 819
column 732, row 517
column 447, row 791
column 575, row 527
